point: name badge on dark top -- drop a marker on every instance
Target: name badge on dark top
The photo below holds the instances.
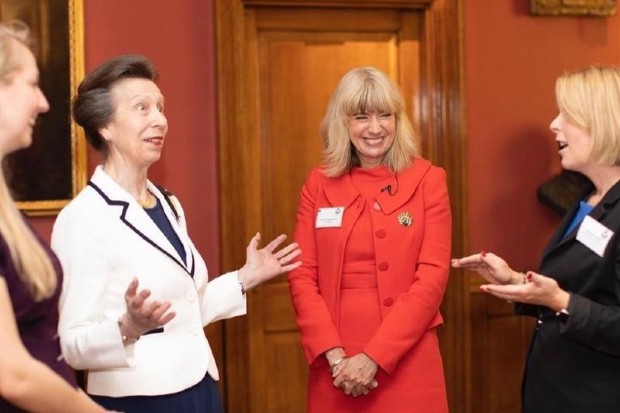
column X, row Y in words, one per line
column 594, row 235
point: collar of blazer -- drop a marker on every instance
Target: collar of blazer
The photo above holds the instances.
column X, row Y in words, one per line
column 137, row 220
column 609, row 201
column 341, row 192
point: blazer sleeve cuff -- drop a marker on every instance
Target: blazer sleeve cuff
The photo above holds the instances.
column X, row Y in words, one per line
column 104, row 344
column 223, row 298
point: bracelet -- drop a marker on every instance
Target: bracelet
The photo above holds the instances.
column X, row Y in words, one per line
column 126, row 340
column 336, row 363
column 523, row 278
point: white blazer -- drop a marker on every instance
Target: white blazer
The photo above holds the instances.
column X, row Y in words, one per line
column 104, row 238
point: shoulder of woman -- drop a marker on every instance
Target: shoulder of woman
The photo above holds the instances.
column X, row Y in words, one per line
column 315, row 178
column 83, row 205
column 85, row 214
column 317, row 173
column 430, row 170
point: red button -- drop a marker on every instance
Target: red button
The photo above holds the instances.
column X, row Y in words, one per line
column 380, row 233
column 383, row 266
column 388, row 302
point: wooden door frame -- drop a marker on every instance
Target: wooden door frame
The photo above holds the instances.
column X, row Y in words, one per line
column 442, row 109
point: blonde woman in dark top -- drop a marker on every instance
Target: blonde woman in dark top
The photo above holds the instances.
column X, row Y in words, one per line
column 573, row 363
column 33, row 375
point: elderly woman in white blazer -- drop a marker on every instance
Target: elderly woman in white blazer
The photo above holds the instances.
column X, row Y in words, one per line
column 136, row 294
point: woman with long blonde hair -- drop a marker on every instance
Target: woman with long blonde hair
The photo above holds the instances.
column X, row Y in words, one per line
column 33, row 376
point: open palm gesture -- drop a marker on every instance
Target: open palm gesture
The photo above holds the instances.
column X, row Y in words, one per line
column 266, row 263
column 491, row 267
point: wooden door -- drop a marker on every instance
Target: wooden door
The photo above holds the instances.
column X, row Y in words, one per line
column 278, row 63
column 500, row 340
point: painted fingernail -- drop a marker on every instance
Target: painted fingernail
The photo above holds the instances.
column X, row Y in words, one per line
column 483, row 253
column 529, row 275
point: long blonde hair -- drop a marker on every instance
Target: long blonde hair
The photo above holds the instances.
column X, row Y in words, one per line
column 32, row 262
column 363, row 90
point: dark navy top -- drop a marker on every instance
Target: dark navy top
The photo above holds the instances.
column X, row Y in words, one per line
column 37, row 322
column 158, row 215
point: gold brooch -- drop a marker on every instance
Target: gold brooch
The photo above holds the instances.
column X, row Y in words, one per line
column 405, row 219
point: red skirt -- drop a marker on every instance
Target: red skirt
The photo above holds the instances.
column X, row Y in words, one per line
column 417, row 384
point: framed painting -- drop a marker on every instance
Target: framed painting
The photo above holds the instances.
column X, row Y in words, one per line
column 599, row 8
column 48, row 174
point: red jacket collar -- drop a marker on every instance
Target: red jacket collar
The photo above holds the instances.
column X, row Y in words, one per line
column 341, row 192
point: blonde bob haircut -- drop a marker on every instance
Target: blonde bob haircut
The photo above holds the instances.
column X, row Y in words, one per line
column 365, row 90
column 31, row 261
column 590, row 98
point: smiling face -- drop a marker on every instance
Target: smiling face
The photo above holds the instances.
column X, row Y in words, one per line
column 575, row 144
column 21, row 101
column 136, row 133
column 372, row 135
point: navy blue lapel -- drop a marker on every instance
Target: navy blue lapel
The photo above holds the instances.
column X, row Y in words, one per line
column 123, row 217
column 173, row 209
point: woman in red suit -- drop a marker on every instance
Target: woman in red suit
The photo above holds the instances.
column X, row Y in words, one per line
column 374, row 225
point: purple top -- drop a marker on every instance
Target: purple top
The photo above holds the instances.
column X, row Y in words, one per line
column 37, row 321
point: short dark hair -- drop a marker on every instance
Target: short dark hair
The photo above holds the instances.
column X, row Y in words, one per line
column 92, row 106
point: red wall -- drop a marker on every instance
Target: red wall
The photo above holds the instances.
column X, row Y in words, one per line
column 511, row 62
column 180, row 42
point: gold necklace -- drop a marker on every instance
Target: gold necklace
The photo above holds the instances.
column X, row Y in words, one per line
column 150, row 201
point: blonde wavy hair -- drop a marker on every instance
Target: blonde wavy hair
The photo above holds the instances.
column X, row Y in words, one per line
column 29, row 257
column 590, row 99
column 365, row 90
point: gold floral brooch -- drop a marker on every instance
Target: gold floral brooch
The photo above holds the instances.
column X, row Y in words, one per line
column 405, row 219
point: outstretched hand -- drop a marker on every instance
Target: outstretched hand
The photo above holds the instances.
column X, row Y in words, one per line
column 264, row 264
column 143, row 315
column 539, row 290
column 491, row 267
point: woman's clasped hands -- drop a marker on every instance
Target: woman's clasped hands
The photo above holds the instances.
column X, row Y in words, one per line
column 355, row 375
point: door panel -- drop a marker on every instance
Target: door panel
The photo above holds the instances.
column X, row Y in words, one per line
column 277, row 68
column 500, row 341
column 298, row 71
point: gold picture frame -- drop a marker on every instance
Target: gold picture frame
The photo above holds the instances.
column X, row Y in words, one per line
column 598, row 8
column 48, row 174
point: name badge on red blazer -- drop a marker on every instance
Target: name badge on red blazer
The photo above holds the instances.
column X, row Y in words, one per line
column 329, row 217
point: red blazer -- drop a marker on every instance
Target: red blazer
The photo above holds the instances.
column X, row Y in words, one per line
column 412, row 261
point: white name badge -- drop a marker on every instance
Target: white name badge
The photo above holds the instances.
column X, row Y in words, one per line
column 329, row 217
column 594, row 235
